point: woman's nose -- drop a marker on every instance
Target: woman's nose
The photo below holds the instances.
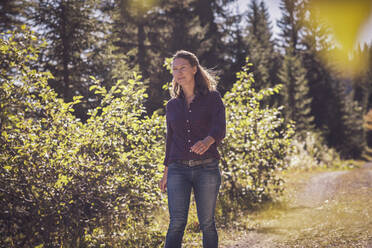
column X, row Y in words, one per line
column 178, row 73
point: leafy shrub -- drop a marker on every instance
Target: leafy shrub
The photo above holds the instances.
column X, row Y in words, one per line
column 65, row 183
column 255, row 146
column 310, row 151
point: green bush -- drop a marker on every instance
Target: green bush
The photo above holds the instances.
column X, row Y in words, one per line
column 65, row 183
column 255, row 146
column 310, row 152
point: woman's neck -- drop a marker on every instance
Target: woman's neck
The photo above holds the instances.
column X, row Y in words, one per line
column 188, row 91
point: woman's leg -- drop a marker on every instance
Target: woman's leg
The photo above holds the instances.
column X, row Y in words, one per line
column 207, row 182
column 179, row 191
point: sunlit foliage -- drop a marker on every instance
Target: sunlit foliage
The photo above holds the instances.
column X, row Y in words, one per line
column 65, row 183
column 256, row 144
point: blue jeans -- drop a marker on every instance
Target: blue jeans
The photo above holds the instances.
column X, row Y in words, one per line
column 205, row 180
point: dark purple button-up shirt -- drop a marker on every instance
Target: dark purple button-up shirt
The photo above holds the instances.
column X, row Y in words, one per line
column 186, row 126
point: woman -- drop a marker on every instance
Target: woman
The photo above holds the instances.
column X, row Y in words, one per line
column 195, row 126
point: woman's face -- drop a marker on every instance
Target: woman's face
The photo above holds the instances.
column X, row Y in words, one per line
column 183, row 72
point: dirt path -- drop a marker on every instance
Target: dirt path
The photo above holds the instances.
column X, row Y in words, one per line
column 330, row 209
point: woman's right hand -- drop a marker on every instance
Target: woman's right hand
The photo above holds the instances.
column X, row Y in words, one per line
column 163, row 181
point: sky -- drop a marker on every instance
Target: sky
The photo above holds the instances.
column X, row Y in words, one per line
column 365, row 34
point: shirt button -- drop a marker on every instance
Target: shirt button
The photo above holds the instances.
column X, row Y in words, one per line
column 188, row 130
column 189, row 141
column 187, row 121
column 190, row 110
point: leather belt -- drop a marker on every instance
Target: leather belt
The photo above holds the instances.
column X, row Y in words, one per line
column 192, row 163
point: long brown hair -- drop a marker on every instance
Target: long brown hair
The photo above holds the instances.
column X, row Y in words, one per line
column 204, row 79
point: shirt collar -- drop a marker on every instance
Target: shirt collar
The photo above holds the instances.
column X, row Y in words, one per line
column 182, row 96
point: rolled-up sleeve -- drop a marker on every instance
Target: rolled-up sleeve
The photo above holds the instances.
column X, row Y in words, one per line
column 168, row 141
column 218, row 128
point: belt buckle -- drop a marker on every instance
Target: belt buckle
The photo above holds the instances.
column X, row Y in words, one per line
column 190, row 163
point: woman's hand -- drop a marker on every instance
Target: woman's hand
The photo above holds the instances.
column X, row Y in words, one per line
column 163, row 181
column 202, row 146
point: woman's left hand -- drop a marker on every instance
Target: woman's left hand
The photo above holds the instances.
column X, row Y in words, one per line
column 202, row 146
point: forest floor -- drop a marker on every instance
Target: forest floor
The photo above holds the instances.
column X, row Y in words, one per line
column 318, row 209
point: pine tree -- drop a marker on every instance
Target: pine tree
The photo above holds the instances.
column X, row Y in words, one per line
column 115, row 51
column 296, row 97
column 291, row 23
column 260, row 46
column 235, row 51
column 346, row 121
column 70, row 29
column 316, row 43
column 362, row 80
column 139, row 35
column 362, row 85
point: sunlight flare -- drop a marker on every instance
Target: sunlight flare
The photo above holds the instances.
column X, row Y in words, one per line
column 346, row 19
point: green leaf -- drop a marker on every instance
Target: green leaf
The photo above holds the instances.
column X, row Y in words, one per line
column 92, row 87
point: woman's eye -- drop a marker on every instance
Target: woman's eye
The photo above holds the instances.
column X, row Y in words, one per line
column 179, row 69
